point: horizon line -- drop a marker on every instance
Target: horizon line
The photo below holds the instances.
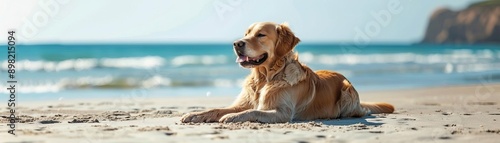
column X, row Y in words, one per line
column 223, row 43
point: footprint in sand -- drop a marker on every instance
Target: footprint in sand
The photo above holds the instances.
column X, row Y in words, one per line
column 164, row 107
column 49, row 122
column 110, row 129
column 481, row 103
column 156, row 128
column 196, row 107
column 320, row 136
column 431, row 104
column 84, row 121
column 376, row 132
column 407, row 119
column 444, row 138
column 446, row 113
column 170, row 133
column 164, row 112
column 146, row 110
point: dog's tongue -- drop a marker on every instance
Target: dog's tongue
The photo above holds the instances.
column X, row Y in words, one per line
column 242, row 59
column 246, row 58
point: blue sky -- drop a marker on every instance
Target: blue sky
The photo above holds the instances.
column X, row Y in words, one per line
column 214, row 21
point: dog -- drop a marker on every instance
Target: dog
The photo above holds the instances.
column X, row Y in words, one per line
column 281, row 89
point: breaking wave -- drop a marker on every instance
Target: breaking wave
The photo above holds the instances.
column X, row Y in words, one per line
column 110, row 82
column 454, row 57
column 147, row 62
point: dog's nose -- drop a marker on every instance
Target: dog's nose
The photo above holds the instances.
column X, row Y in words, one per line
column 239, row 43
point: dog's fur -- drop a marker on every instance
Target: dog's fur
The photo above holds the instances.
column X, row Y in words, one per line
column 281, row 89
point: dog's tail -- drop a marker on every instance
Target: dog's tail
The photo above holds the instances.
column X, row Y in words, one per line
column 378, row 107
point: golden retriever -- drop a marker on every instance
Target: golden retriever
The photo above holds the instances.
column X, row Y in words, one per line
column 281, row 89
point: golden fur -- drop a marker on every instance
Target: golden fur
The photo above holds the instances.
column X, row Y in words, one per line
column 281, row 89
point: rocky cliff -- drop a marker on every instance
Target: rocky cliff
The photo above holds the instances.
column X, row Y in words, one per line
column 479, row 23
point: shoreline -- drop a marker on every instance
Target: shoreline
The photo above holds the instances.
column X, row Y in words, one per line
column 219, row 89
column 441, row 114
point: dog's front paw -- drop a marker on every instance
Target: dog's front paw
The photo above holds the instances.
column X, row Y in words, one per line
column 235, row 117
column 200, row 117
column 187, row 117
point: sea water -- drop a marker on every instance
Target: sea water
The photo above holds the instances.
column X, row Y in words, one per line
column 50, row 72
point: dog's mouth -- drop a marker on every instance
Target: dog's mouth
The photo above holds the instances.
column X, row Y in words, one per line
column 245, row 60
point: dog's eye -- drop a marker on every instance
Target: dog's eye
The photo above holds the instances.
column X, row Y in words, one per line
column 260, row 35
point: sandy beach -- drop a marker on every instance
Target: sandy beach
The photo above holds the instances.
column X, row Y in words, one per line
column 441, row 114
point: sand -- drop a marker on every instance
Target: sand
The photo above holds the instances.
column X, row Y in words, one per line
column 442, row 114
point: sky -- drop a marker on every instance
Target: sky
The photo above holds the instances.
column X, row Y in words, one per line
column 216, row 21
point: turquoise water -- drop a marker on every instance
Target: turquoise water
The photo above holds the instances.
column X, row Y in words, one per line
column 94, row 71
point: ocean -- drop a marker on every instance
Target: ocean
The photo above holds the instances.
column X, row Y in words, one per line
column 56, row 72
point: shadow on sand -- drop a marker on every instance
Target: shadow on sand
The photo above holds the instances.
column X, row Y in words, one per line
column 346, row 121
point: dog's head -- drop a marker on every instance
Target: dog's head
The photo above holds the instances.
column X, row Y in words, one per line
column 263, row 43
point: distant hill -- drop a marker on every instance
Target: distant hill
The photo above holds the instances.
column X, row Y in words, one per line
column 478, row 23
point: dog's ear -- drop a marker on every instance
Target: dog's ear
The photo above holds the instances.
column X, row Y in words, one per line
column 286, row 40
